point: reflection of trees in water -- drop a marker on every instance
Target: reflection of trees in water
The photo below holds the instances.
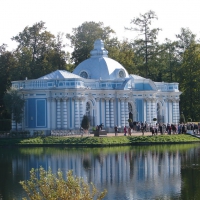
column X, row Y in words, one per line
column 100, row 157
column 86, row 163
column 131, row 164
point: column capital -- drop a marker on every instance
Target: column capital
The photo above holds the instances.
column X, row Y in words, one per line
column 126, row 99
column 57, row 98
column 147, row 99
column 107, row 98
column 153, row 100
column 75, row 98
column 97, row 99
column 81, row 98
column 122, row 98
column 112, row 99
column 64, row 98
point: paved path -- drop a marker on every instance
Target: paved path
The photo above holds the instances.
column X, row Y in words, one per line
column 132, row 134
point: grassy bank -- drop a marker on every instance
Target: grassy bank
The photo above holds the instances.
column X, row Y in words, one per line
column 98, row 141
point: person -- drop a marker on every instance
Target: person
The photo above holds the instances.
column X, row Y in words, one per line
column 116, row 130
column 125, row 131
column 152, row 130
column 160, row 129
column 142, row 129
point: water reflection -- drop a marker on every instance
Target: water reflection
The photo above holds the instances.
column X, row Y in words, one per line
column 153, row 172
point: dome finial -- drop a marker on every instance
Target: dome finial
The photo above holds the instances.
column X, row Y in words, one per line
column 99, row 50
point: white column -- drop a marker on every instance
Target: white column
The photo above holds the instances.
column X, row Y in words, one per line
column 49, row 111
column 122, row 112
column 76, row 111
column 174, row 111
column 166, row 111
column 97, row 111
column 58, row 121
column 126, row 112
column 81, row 99
column 111, row 113
column 153, row 109
column 170, row 111
column 118, row 113
column 145, row 111
column 178, row 111
column 148, row 110
column 65, row 113
column 107, row 112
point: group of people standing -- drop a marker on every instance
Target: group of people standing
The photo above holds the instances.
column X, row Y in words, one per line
column 161, row 128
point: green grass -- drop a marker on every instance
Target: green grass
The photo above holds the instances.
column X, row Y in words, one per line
column 99, row 141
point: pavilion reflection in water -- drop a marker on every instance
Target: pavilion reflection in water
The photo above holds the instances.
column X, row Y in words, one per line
column 136, row 173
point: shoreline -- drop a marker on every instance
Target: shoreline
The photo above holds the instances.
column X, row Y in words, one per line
column 102, row 141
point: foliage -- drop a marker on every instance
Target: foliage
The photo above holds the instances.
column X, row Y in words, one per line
column 189, row 119
column 123, row 53
column 130, row 120
column 39, row 52
column 5, row 124
column 83, row 38
column 15, row 105
column 7, row 63
column 53, row 187
column 85, row 123
column 99, row 141
column 146, row 48
column 182, row 118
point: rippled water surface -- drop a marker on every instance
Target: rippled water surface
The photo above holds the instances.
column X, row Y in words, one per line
column 141, row 172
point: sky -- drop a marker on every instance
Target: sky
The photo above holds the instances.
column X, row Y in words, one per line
column 63, row 15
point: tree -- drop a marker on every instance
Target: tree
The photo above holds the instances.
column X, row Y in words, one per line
column 185, row 39
column 7, row 64
column 39, row 52
column 83, row 37
column 147, row 47
column 189, row 81
column 85, row 124
column 15, row 105
column 123, row 53
column 54, row 187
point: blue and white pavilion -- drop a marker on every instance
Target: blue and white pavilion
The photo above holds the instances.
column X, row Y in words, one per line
column 101, row 88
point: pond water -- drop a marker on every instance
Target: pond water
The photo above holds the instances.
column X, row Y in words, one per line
column 140, row 172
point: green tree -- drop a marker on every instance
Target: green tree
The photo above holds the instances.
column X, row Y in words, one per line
column 123, row 53
column 185, row 39
column 83, row 37
column 14, row 102
column 39, row 52
column 85, row 123
column 146, row 48
column 7, row 64
column 54, row 187
column 189, row 81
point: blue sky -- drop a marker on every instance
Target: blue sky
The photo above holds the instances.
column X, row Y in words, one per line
column 63, row 15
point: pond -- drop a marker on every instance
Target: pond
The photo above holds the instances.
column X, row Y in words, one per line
column 139, row 172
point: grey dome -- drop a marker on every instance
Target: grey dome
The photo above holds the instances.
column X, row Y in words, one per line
column 99, row 66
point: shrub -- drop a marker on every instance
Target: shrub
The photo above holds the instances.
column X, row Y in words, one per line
column 85, row 124
column 54, row 187
column 5, row 124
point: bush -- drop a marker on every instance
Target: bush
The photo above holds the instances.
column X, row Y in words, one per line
column 19, row 133
column 5, row 124
column 54, row 187
column 85, row 124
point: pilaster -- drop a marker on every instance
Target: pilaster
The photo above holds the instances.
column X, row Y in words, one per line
column 107, row 112
column 58, row 113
